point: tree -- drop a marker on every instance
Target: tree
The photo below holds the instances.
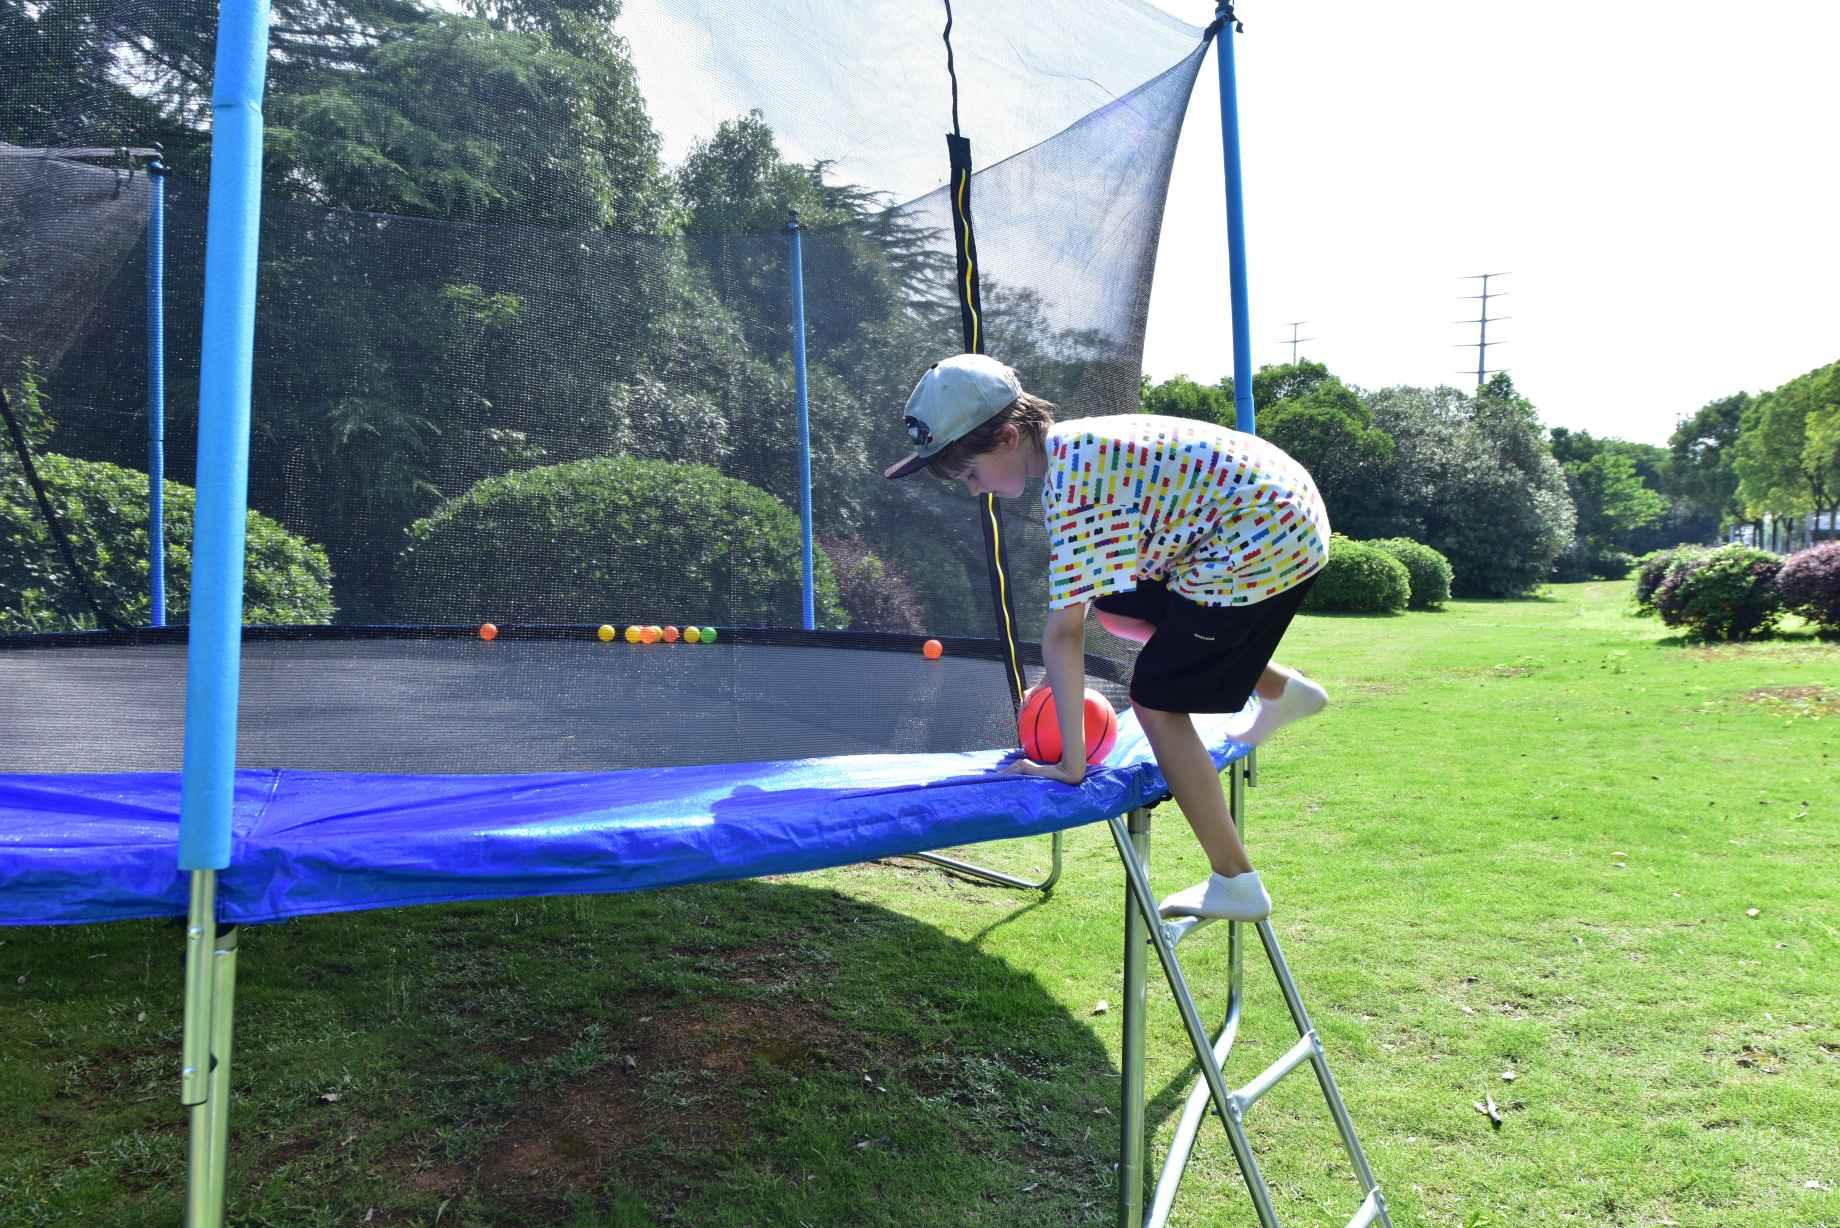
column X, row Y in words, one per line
column 1475, row 480
column 1701, row 479
column 1326, row 426
column 1612, row 501
column 1779, row 473
column 1181, row 397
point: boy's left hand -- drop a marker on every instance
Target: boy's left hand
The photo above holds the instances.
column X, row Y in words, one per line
column 1067, row 775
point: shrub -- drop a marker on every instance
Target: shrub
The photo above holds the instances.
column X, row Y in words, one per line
column 611, row 539
column 1428, row 570
column 1725, row 594
column 876, row 596
column 103, row 508
column 1360, row 578
column 1610, row 565
column 1809, row 584
column 1652, row 568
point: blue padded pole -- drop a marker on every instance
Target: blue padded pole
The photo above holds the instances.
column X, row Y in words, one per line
column 797, row 262
column 213, row 663
column 1236, row 223
column 156, row 391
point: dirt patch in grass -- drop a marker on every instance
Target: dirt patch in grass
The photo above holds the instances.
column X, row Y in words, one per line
column 667, row 1088
column 1798, row 695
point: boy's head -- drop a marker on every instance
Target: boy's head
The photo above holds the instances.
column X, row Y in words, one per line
column 966, row 407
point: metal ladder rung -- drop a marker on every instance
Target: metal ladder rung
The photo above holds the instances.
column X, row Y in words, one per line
column 1370, row 1210
column 1299, row 1053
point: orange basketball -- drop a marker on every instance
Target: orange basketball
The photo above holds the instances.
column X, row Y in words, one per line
column 1040, row 726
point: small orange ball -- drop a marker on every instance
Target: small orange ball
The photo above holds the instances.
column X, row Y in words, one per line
column 487, row 631
column 648, row 635
column 933, row 650
column 670, row 635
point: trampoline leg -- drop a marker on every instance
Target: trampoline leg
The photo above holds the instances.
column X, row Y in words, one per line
column 210, row 996
column 1131, row 1145
column 997, row 876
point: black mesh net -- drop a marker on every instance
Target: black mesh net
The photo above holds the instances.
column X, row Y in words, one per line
column 524, row 355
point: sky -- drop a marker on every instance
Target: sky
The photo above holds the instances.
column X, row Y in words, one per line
column 1657, row 180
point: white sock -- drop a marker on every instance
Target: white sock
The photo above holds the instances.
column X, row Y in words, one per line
column 1300, row 698
column 1239, row 898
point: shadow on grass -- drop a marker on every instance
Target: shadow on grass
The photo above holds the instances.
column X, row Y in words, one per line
column 748, row 1052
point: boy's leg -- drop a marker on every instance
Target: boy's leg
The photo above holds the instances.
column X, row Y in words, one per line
column 1233, row 891
column 1195, row 782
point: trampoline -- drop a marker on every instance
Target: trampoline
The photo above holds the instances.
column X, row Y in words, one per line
column 387, row 767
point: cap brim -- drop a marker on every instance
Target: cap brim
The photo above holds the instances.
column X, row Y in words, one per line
column 913, row 464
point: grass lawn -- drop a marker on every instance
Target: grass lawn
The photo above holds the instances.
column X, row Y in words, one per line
column 1535, row 850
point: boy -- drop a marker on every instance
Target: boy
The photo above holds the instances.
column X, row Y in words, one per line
column 1196, row 541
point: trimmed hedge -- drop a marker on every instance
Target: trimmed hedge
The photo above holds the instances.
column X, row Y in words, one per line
column 612, row 539
column 1360, row 578
column 1809, row 583
column 1428, row 570
column 103, row 508
column 1724, row 594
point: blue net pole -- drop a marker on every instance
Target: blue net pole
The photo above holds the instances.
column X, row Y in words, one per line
column 156, row 391
column 1236, row 223
column 796, row 261
column 213, row 663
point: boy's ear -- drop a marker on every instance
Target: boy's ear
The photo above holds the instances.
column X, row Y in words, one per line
column 1009, row 435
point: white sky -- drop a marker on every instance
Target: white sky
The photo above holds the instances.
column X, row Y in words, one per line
column 1660, row 180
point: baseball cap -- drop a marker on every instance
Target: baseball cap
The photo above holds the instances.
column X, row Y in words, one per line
column 953, row 398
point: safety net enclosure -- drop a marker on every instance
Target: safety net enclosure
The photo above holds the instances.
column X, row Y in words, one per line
column 525, row 353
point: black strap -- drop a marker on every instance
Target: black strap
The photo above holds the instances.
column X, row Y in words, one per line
column 104, row 615
column 971, row 320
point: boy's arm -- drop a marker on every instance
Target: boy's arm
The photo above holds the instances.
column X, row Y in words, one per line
column 1063, row 652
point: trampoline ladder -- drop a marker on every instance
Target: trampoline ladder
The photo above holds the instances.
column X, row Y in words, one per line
column 1143, row 926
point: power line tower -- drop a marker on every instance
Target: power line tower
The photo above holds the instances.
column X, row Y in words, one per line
column 1482, row 343
column 1294, row 340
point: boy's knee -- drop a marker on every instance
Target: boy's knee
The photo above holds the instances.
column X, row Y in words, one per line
column 1155, row 716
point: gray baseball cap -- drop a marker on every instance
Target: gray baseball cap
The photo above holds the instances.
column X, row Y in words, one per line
column 952, row 399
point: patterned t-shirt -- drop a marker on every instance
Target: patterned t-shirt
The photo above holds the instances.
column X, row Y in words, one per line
column 1225, row 518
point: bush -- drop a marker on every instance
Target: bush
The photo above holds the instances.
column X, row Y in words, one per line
column 1725, row 594
column 1809, row 584
column 1428, row 570
column 1360, row 578
column 103, row 508
column 1652, row 568
column 877, row 597
column 612, row 539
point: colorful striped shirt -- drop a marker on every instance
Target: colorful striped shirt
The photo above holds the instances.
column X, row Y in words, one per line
column 1225, row 518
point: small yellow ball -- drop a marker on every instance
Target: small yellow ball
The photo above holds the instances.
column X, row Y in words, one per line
column 632, row 634
column 606, row 633
column 692, row 635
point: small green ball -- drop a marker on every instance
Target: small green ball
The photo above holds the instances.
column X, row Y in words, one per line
column 709, row 635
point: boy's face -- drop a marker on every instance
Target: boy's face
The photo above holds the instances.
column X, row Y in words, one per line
column 1001, row 471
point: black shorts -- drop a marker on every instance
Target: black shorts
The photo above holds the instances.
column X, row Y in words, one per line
column 1202, row 658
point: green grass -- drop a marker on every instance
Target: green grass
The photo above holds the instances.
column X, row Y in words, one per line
column 1526, row 837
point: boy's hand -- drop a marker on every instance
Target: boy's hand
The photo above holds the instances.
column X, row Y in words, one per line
column 1067, row 774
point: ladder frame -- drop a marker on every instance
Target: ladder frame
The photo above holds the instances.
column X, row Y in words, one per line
column 1145, row 928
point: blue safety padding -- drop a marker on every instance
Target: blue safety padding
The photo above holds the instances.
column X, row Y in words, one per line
column 79, row 848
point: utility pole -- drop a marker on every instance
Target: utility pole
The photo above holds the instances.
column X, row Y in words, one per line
column 1294, row 341
column 1482, row 343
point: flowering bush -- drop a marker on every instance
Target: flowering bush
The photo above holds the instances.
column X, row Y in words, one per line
column 1809, row 584
column 1652, row 568
column 1724, row 594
